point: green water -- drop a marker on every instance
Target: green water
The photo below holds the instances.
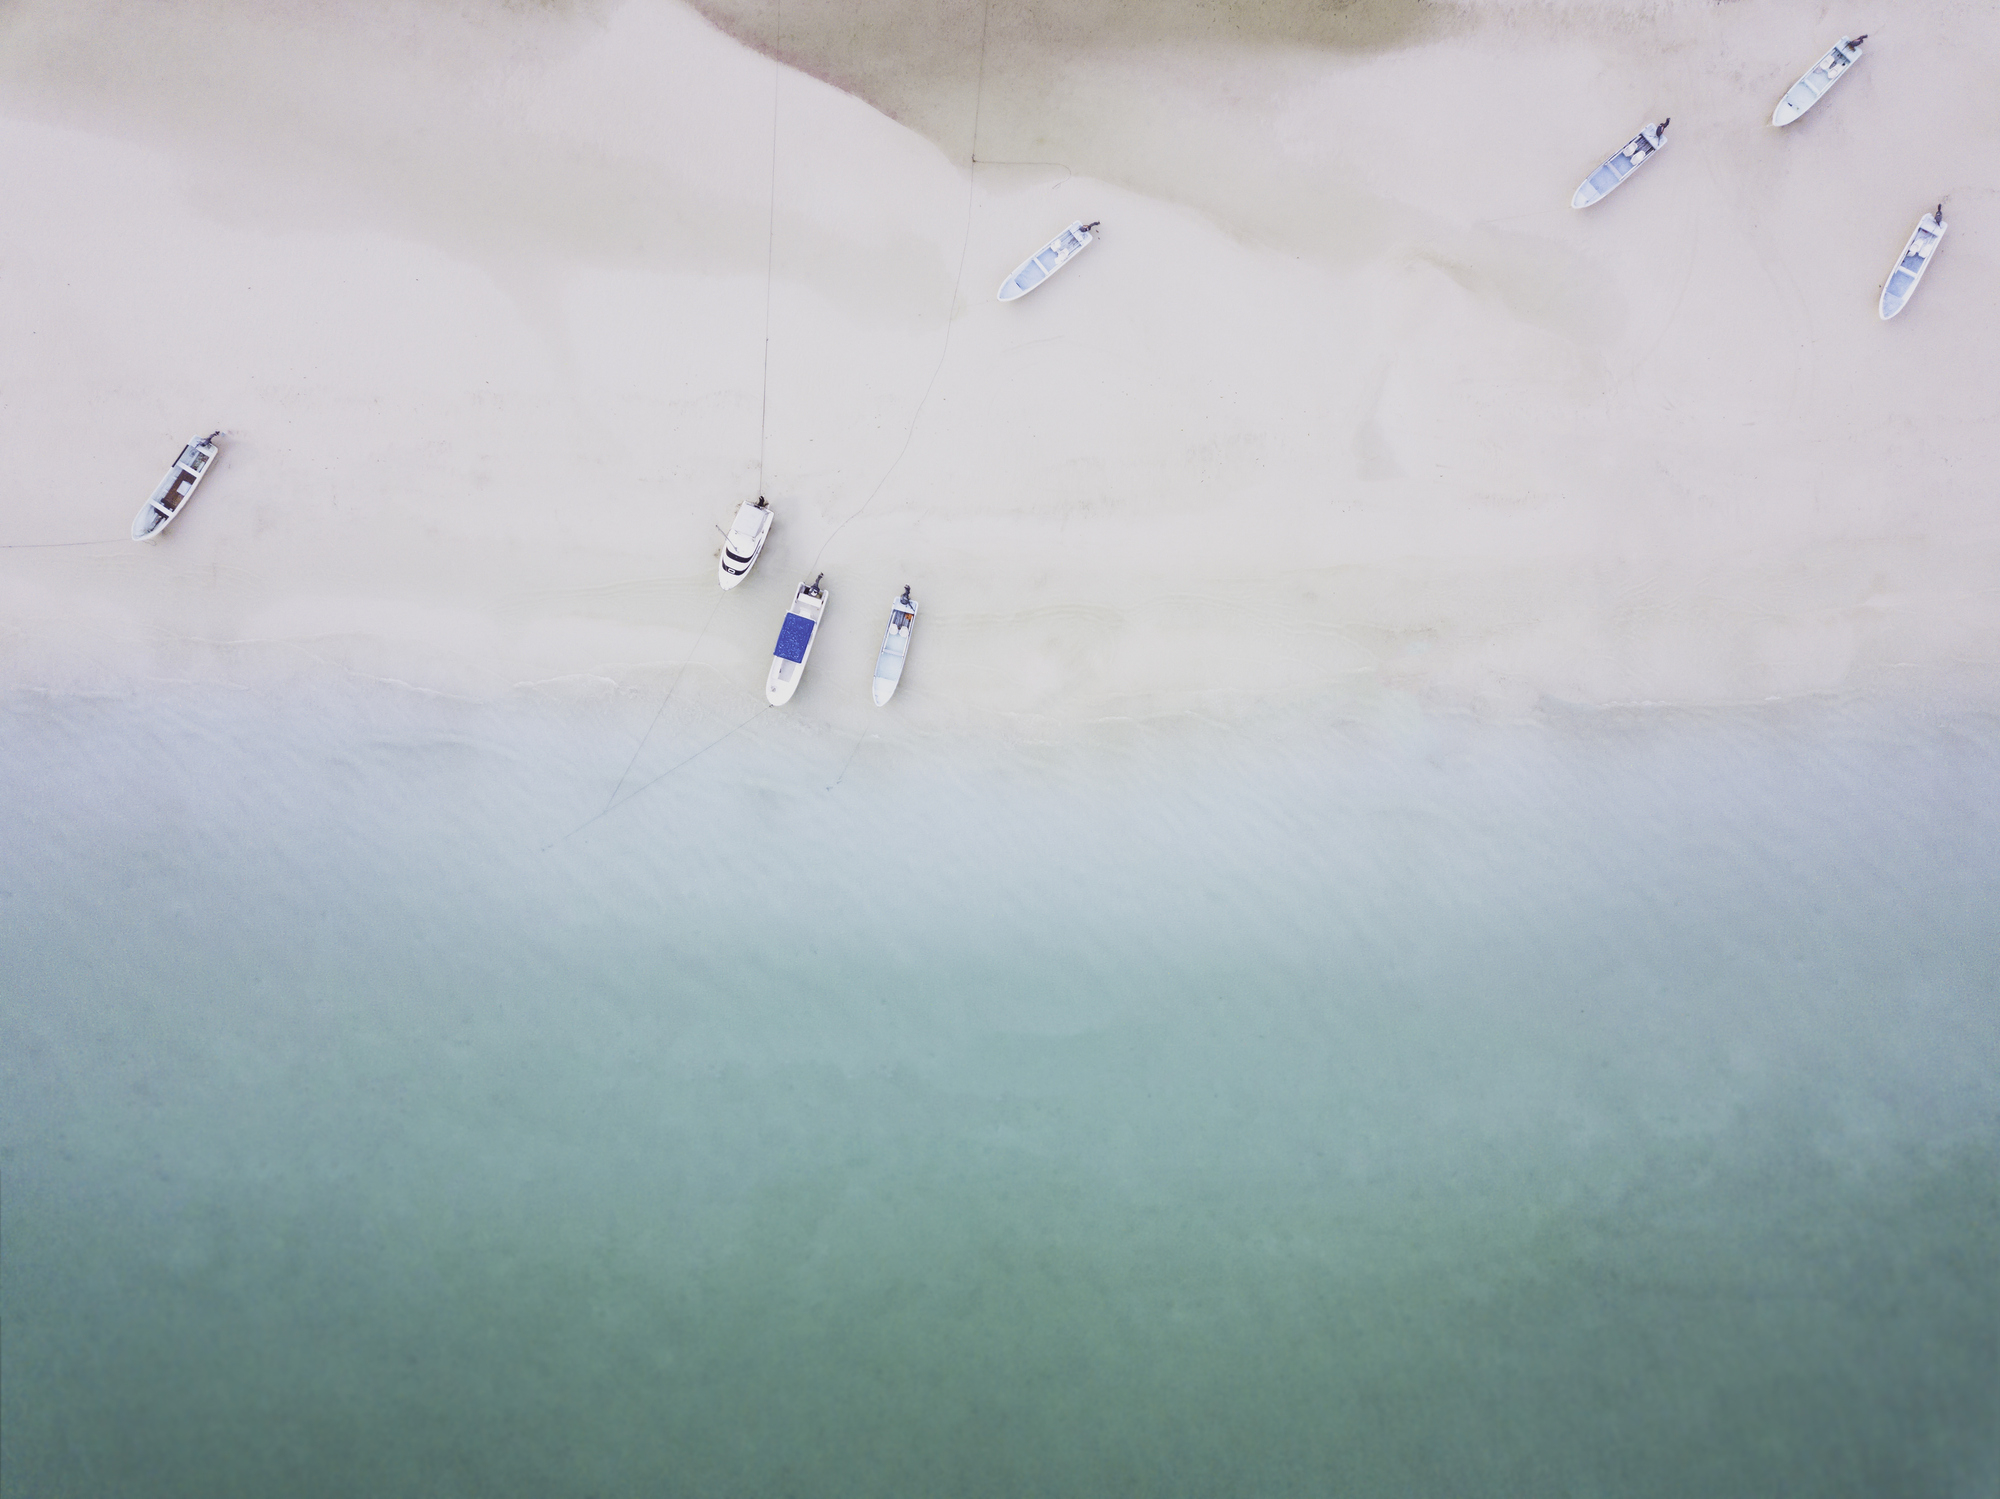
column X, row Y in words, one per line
column 1605, row 1107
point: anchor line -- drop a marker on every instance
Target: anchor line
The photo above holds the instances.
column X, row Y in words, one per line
column 957, row 280
column 770, row 232
column 42, row 546
column 674, row 687
column 646, row 786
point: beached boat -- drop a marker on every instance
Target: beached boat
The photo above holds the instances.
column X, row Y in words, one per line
column 1913, row 262
column 1820, row 77
column 895, row 647
column 744, row 540
column 176, row 489
column 1621, row 164
column 1046, row 261
column 795, row 642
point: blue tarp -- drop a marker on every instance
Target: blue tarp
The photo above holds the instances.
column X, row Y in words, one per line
column 794, row 636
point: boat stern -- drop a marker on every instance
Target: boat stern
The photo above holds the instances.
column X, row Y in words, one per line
column 782, row 682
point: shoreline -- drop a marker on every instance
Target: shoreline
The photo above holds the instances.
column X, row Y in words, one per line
column 491, row 365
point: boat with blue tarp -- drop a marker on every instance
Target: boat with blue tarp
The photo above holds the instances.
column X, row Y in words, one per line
column 795, row 642
column 1620, row 164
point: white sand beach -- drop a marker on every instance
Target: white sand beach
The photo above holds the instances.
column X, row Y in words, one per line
column 1421, row 921
column 1348, row 400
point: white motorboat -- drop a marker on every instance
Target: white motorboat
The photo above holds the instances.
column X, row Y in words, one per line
column 1823, row 75
column 1621, row 164
column 176, row 489
column 895, row 647
column 1913, row 262
column 795, row 642
column 743, row 541
column 1046, row 261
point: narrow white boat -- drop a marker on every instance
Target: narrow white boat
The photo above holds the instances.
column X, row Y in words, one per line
column 1822, row 76
column 795, row 642
column 1913, row 262
column 743, row 541
column 895, row 647
column 176, row 489
column 1621, row 164
column 1046, row 261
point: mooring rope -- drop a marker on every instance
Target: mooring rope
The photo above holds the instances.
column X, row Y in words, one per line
column 642, row 789
column 770, row 229
column 672, row 688
column 36, row 546
column 763, row 400
column 957, row 280
column 615, row 801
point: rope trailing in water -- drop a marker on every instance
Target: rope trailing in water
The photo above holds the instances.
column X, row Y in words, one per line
column 674, row 687
column 763, row 402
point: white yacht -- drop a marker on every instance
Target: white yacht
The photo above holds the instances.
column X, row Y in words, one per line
column 1046, row 261
column 795, row 642
column 1823, row 75
column 176, row 489
column 895, row 647
column 1621, row 164
column 744, row 541
column 1913, row 262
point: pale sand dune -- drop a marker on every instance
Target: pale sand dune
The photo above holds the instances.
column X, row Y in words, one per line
column 1348, row 400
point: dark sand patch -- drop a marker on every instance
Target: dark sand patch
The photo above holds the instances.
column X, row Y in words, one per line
column 919, row 62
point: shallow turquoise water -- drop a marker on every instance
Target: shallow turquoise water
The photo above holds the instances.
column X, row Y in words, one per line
column 1606, row 1107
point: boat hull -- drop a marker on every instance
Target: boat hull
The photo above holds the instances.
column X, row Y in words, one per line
column 173, row 492
column 759, row 517
column 895, row 652
column 1816, row 81
column 1910, row 265
column 1618, row 167
column 1050, row 258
